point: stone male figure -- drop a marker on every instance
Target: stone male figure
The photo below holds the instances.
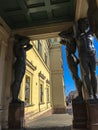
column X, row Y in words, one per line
column 69, row 41
column 87, row 56
column 21, row 45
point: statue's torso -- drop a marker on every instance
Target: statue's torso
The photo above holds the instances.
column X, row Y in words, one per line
column 86, row 45
column 71, row 47
column 20, row 53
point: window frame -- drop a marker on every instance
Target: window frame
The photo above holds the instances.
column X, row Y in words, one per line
column 30, row 89
column 41, row 94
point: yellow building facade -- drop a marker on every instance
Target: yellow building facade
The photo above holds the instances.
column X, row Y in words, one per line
column 35, row 87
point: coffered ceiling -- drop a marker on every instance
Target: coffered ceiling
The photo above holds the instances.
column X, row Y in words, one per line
column 28, row 13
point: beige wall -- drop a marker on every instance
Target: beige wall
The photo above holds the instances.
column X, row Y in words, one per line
column 5, row 73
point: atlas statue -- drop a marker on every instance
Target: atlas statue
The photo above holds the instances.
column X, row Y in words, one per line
column 87, row 56
column 21, row 45
column 84, row 42
column 67, row 39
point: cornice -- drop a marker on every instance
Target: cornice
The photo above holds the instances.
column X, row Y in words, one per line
column 41, row 75
column 29, row 64
column 47, row 81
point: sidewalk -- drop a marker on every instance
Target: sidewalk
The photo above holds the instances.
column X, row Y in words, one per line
column 52, row 122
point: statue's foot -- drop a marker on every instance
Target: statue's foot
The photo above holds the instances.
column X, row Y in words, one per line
column 16, row 101
column 78, row 98
column 95, row 97
column 91, row 97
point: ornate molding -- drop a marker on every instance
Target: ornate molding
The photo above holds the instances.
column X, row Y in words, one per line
column 41, row 75
column 4, row 24
column 29, row 64
column 44, row 30
column 3, row 33
column 47, row 81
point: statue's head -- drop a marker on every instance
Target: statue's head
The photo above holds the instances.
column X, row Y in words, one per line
column 67, row 34
column 83, row 25
column 21, row 39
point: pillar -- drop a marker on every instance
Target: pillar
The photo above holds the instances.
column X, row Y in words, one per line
column 4, row 35
column 58, row 96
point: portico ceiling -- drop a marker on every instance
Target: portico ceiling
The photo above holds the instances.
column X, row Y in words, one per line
column 28, row 13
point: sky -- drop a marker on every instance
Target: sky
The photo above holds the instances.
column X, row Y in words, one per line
column 68, row 81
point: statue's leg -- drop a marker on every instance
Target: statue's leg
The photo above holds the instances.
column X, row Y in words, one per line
column 93, row 76
column 78, row 83
column 74, row 71
column 86, row 79
column 77, row 80
column 19, row 73
column 15, row 90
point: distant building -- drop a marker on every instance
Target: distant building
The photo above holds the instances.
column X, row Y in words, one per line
column 71, row 96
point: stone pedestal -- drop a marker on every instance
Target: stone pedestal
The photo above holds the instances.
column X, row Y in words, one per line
column 59, row 110
column 92, row 111
column 79, row 114
column 16, row 116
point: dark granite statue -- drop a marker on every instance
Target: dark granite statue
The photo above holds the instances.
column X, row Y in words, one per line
column 87, row 56
column 92, row 14
column 69, row 41
column 21, row 45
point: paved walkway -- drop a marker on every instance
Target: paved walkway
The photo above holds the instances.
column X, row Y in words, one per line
column 52, row 122
column 55, row 120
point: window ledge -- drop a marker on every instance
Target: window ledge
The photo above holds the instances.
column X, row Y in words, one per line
column 42, row 103
column 29, row 105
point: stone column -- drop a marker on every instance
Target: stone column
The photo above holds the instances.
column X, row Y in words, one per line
column 7, row 81
column 3, row 49
column 58, row 96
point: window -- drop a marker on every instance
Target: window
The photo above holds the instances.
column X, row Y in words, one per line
column 47, row 94
column 41, row 93
column 27, row 90
column 39, row 47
